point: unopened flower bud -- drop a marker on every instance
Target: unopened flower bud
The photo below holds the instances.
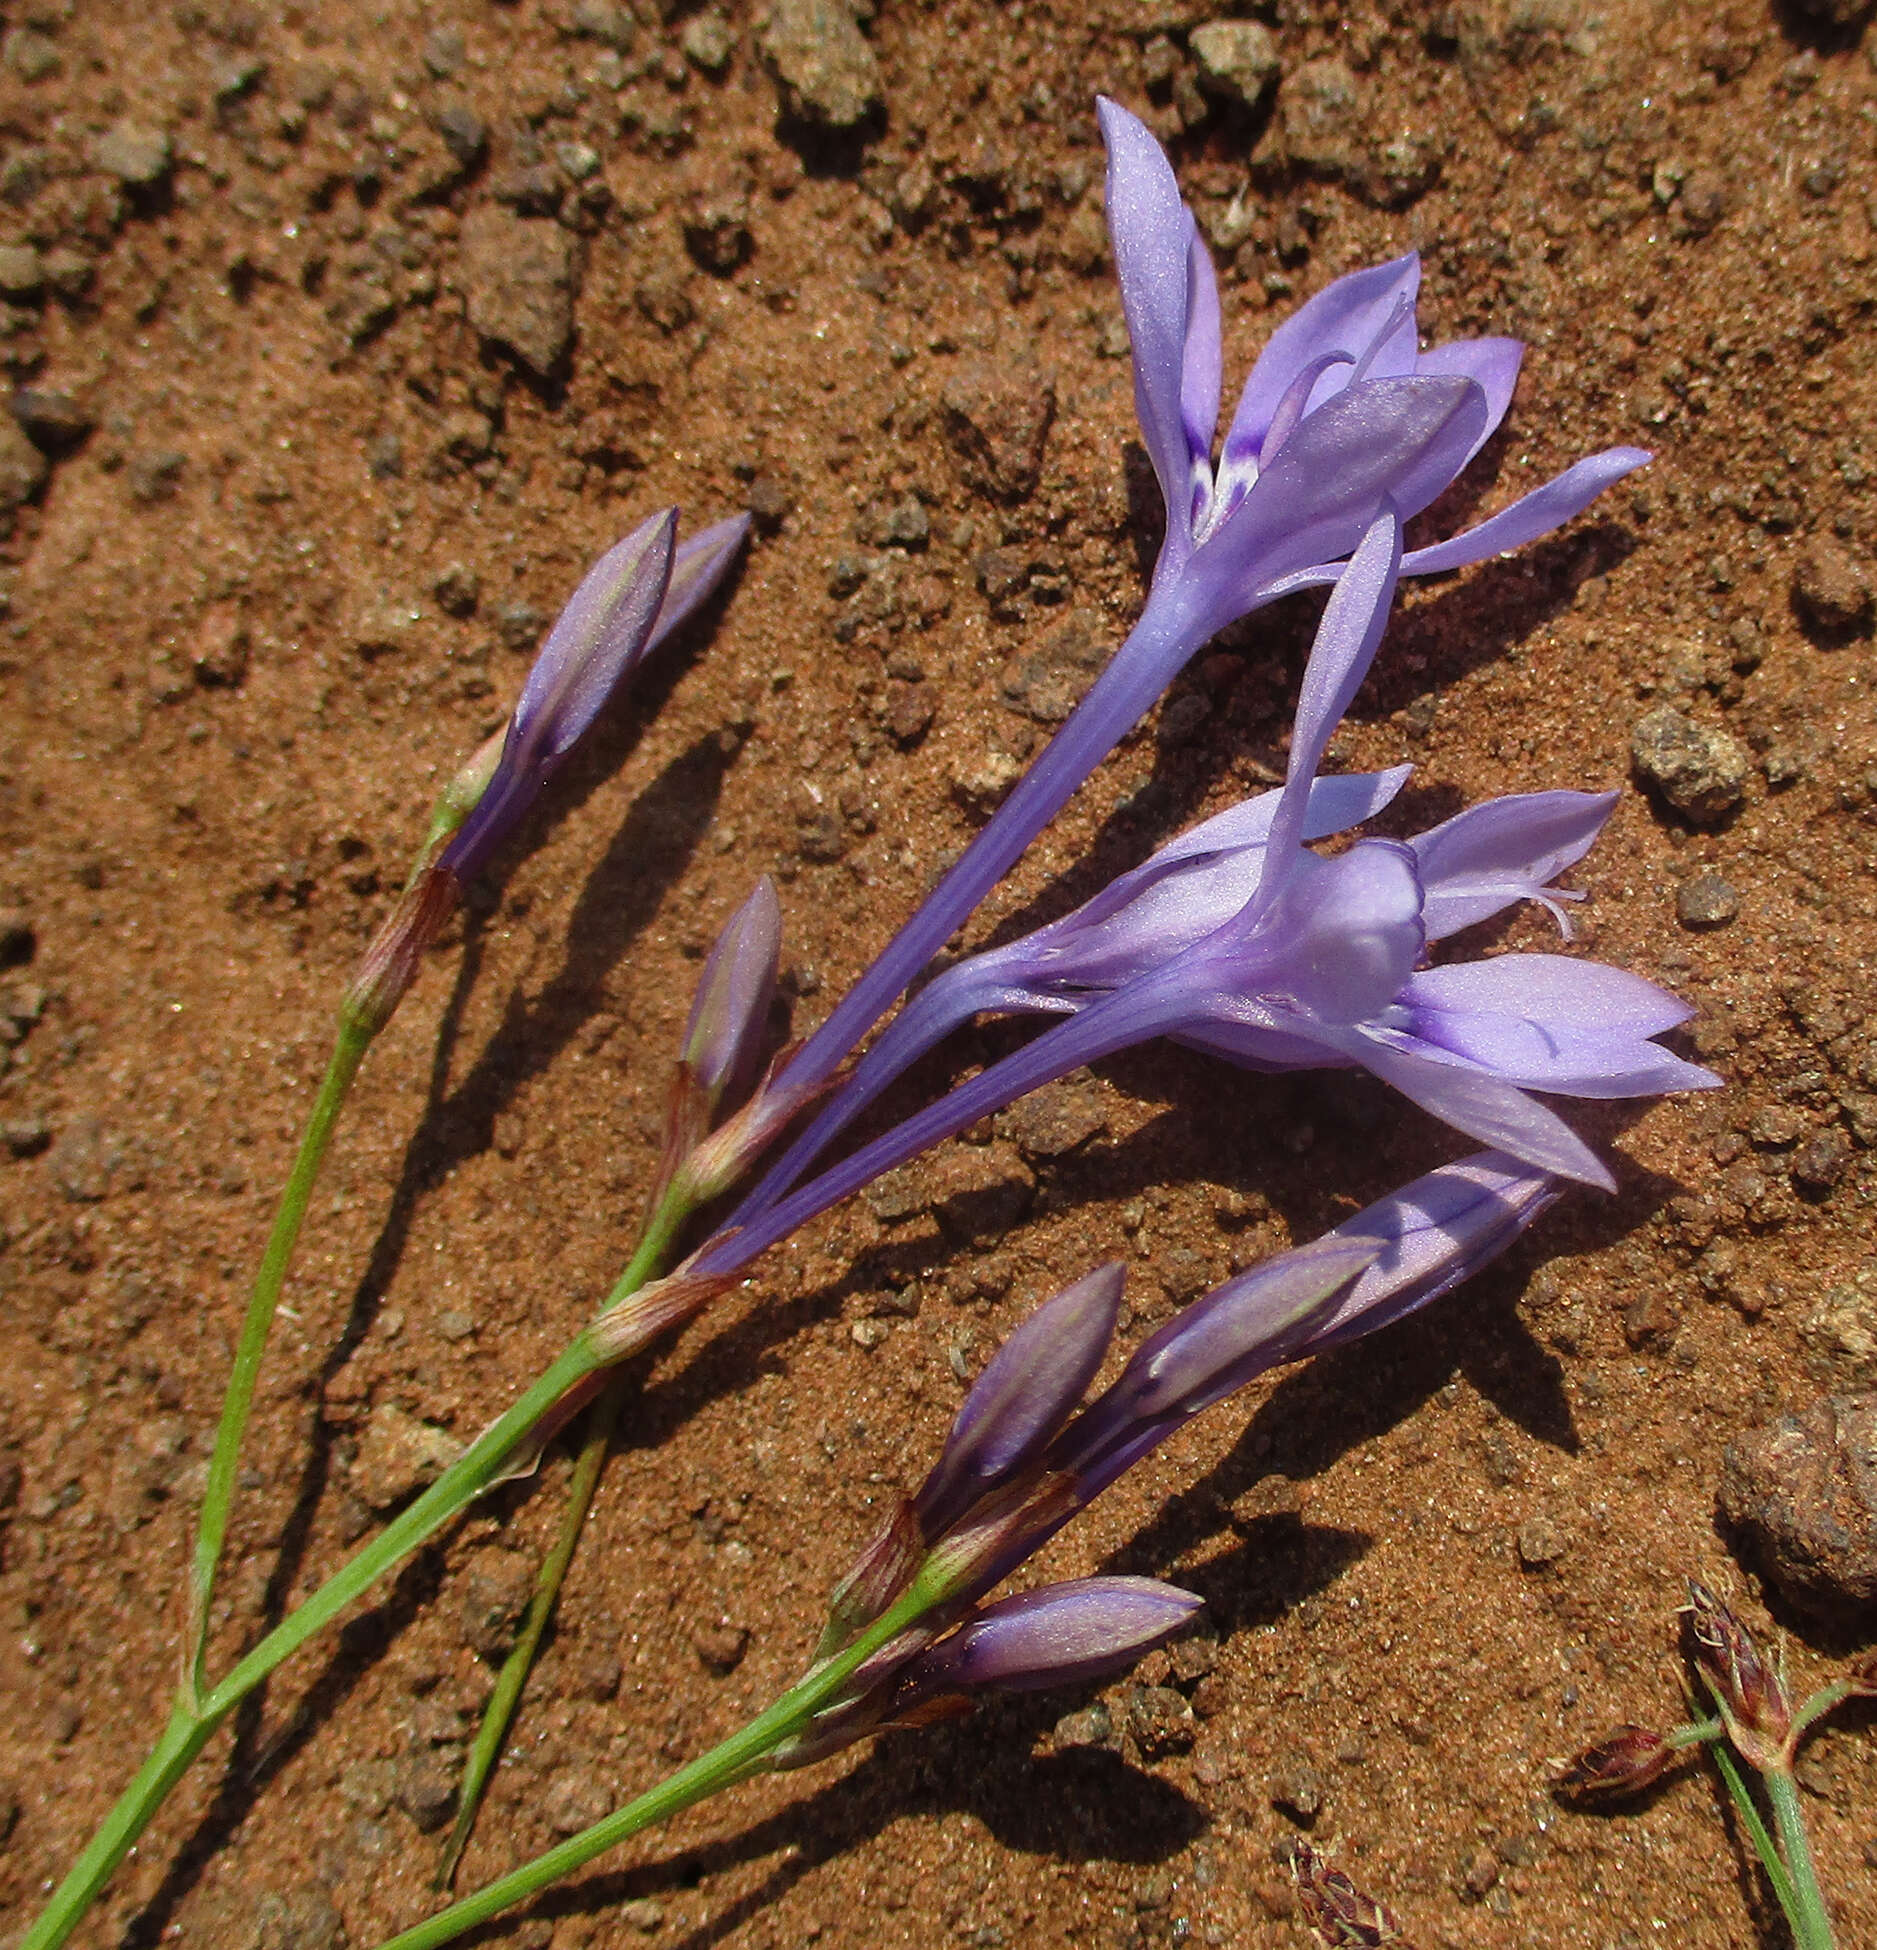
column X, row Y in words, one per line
column 730, row 1013
column 1623, row 1762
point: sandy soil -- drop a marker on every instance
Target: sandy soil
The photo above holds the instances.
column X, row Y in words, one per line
column 290, row 576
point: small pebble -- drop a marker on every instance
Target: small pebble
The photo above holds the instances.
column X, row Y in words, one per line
column 136, row 154
column 1540, row 1542
column 824, row 66
column 1706, row 901
column 1800, row 1494
column 721, row 1647
column 1832, row 592
column 708, row 41
column 1699, row 770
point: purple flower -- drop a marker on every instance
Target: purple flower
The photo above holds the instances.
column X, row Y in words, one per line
column 1342, row 416
column 972, row 1525
column 723, row 1039
column 1238, row 940
column 632, row 598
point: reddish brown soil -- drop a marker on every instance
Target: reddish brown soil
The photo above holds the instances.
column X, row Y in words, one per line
column 201, row 848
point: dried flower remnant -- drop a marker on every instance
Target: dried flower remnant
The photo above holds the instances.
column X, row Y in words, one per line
column 1623, row 1762
column 1340, row 1916
column 1751, row 1696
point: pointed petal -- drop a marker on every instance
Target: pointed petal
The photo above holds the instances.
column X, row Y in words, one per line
column 1342, row 318
column 1503, row 851
column 1563, row 1057
column 599, row 635
column 1492, row 365
column 1484, row 1107
column 1216, row 1345
column 1152, row 234
column 1436, row 1232
column 1532, row 515
column 1201, row 362
column 1351, row 627
column 729, row 1014
column 1030, row 1387
column 1551, row 988
column 1396, row 439
column 1053, row 1637
column 699, row 565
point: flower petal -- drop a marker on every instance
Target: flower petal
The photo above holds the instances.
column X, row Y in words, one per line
column 1152, row 233
column 1538, row 1054
column 1344, row 317
column 1202, row 358
column 1551, row 988
column 697, row 566
column 1064, row 1632
column 1482, row 1105
column 1492, row 365
column 1531, row 516
column 1507, row 849
column 1028, row 1389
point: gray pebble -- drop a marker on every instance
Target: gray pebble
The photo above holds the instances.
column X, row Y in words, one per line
column 518, row 278
column 997, row 418
column 708, row 42
column 53, row 421
column 426, row 1790
column 1840, row 1334
column 1540, row 1543
column 465, row 134
column 136, row 154
column 31, row 55
column 1706, row 901
column 155, row 476
column 84, row 1161
column 1161, row 1721
column 823, row 66
column 1801, row 1495
column 305, row 1920
column 457, row 590
column 1091, row 1726
column 444, row 52
column 1297, row 1789
column 25, row 1137
column 1820, row 1162
column 1048, row 683
column 1324, row 117
column 1698, row 770
column 495, row 1595
column 1057, row 1119
column 603, row 20
column 22, row 271
column 18, row 941
column 397, row 1456
column 22, row 466
column 898, row 524
column 1237, row 58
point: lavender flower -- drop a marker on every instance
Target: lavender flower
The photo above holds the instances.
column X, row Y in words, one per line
column 975, row 1521
column 724, row 1036
column 1342, row 415
column 632, row 598
column 638, row 592
column 1238, row 940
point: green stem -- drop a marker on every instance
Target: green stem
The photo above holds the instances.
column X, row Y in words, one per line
column 1755, row 1824
column 498, row 1716
column 724, row 1766
column 1811, row 1926
column 218, row 1497
column 193, row 1722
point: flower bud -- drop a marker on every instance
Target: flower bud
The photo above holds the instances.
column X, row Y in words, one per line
column 1623, row 1762
column 1340, row 1916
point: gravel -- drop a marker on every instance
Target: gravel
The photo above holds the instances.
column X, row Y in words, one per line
column 1832, row 592
column 518, row 280
column 1237, row 59
column 136, row 154
column 997, row 418
column 823, row 66
column 1698, row 770
column 22, row 467
column 1801, row 1495
column 1706, row 901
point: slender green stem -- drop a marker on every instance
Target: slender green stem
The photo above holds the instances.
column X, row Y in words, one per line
column 499, row 1715
column 217, row 1498
column 192, row 1723
column 742, row 1755
column 1755, row 1824
column 654, row 1249
column 1811, row 1925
